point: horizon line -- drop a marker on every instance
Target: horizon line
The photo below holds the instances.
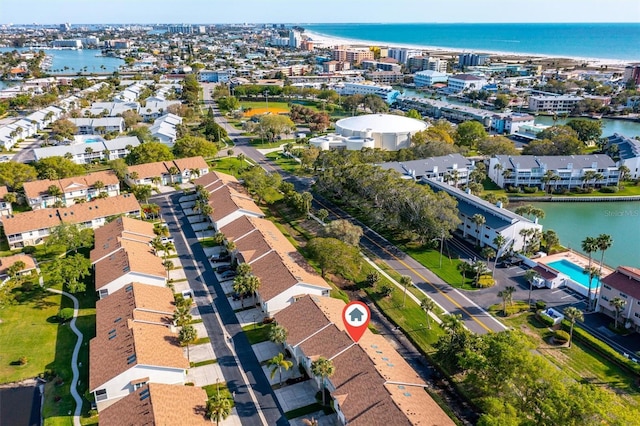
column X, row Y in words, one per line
column 325, row 23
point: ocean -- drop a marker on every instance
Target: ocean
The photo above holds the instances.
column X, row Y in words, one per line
column 602, row 41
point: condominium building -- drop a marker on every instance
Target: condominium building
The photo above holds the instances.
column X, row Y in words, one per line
column 461, row 82
column 452, row 168
column 98, row 126
column 385, row 77
column 429, row 78
column 553, row 103
column 626, row 151
column 624, row 284
column 353, row 55
column 385, row 92
column 472, row 59
column 403, row 55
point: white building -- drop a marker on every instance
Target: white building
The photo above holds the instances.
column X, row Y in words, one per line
column 88, row 152
column 385, row 92
column 164, row 128
column 553, row 103
column 628, row 153
column 402, row 55
column 98, row 126
column 460, row 82
column 429, row 78
column 453, row 169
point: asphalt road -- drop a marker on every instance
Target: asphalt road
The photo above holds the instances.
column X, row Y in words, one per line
column 20, row 406
column 205, row 286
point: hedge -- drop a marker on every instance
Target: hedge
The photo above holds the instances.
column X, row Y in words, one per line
column 546, row 320
column 561, row 336
column 602, row 348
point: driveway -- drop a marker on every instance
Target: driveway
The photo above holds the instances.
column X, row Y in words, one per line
column 266, row 350
column 298, row 395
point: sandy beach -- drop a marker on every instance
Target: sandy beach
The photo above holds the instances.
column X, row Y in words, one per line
column 323, row 40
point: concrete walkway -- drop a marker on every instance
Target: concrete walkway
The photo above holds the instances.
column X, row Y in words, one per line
column 74, row 357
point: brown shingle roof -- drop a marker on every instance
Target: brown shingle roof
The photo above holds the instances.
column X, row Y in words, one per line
column 108, row 237
column 327, row 342
column 133, row 257
column 149, row 170
column 3, row 191
column 159, row 405
column 78, row 213
column 138, row 302
column 190, row 163
column 38, row 188
column 214, row 177
column 301, row 320
column 236, row 229
column 7, row 262
column 625, row 279
column 226, row 201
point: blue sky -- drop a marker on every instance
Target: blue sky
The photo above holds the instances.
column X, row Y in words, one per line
column 307, row 11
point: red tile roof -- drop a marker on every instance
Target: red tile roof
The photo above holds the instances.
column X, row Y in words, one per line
column 625, row 279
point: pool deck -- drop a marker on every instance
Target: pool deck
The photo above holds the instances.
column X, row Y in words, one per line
column 576, row 258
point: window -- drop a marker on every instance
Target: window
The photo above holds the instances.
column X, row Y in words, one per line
column 104, row 293
column 101, row 394
column 139, row 385
column 624, row 296
column 605, row 298
column 606, row 286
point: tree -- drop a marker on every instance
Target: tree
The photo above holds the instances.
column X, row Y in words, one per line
column 428, row 305
column 55, row 192
column 478, row 220
column 70, row 236
column 58, row 168
column 264, row 185
column 278, row 334
column 218, row 408
column 573, row 314
column 344, row 231
column 69, row 271
column 272, row 126
column 488, row 253
column 470, row 133
column 168, row 265
column 501, row 101
column 372, row 279
column 182, row 314
column 405, row 281
column 335, row 256
column 603, row 242
column 143, row 134
column 64, row 129
column 277, row 363
column 587, row 130
column 193, row 146
column 240, row 286
column 497, row 145
column 589, row 245
column 530, row 276
column 188, row 334
column 149, row 152
column 551, row 239
column 323, row 368
column 618, row 305
column 506, row 295
column 142, row 192
column 14, row 175
column 322, row 214
column 412, row 113
column 252, row 284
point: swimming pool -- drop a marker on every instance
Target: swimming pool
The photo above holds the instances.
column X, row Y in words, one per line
column 575, row 272
column 92, row 140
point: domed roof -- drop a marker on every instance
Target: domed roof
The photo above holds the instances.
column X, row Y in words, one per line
column 382, row 123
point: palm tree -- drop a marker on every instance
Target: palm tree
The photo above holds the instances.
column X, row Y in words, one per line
column 173, row 171
column 324, row 369
column 405, row 281
column 603, row 242
column 507, row 297
column 278, row 334
column 182, row 315
column 573, row 314
column 168, row 265
column 54, row 191
column 452, row 324
column 10, row 197
column 478, row 220
column 188, row 334
column 218, row 408
column 240, row 287
column 307, row 199
column 277, row 363
column 589, row 245
column 499, row 241
column 428, row 305
column 618, row 305
column 252, row 284
column 489, row 253
column 530, row 276
column 241, row 158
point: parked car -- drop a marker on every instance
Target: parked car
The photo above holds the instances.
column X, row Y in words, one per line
column 224, row 268
column 238, row 296
column 225, row 258
column 228, row 274
column 166, row 240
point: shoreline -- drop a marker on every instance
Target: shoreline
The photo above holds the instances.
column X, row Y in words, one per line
column 326, row 40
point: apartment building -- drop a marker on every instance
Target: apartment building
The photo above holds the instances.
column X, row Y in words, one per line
column 465, row 82
column 553, row 103
column 626, row 152
column 429, row 78
column 385, row 92
column 624, row 284
column 87, row 153
column 352, row 55
column 6, row 209
column 453, row 169
column 385, row 77
column 98, row 126
column 181, row 170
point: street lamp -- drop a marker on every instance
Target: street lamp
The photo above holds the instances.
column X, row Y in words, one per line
column 266, row 98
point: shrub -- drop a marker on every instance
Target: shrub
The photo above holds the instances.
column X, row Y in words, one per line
column 28, row 249
column 386, row 290
column 530, row 189
column 267, row 320
column 65, row 314
column 609, row 189
column 561, row 337
column 512, row 190
column 23, row 360
column 485, row 281
column 541, row 304
column 546, row 320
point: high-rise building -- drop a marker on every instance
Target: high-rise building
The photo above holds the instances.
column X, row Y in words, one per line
column 472, row 59
column 403, row 55
column 632, row 72
column 295, row 38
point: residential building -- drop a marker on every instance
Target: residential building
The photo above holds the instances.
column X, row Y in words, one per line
column 180, row 29
column 632, row 72
column 568, row 171
column 154, row 109
column 31, row 228
column 98, row 126
column 381, row 66
column 214, row 76
column 498, row 220
column 72, row 190
column 553, row 103
column 472, row 59
column 403, row 55
column 453, row 169
column 385, row 92
column 626, row 152
column 624, row 284
column 429, row 78
column 112, row 109
column 283, row 272
column 134, row 344
column 333, row 66
column 385, row 77
column 6, row 209
column 372, row 383
column 164, row 128
column 424, row 63
column 353, row 55
column 118, row 233
column 8, row 261
column 89, row 152
column 465, row 82
column 229, row 203
column 159, row 404
column 181, row 170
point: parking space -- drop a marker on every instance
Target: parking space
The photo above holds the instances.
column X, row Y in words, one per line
column 201, row 226
column 266, row 350
column 286, row 374
column 205, row 375
column 199, row 353
column 250, row 316
column 296, row 396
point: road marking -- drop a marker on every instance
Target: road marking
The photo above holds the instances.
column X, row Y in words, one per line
column 227, row 339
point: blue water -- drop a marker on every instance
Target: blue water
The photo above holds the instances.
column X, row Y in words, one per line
column 628, row 128
column 607, row 41
column 575, row 272
column 76, row 60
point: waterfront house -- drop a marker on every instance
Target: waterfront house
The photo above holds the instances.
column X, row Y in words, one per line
column 134, row 344
column 372, row 383
column 569, row 171
column 626, row 152
column 553, row 103
column 498, row 220
column 31, row 228
column 70, row 191
column 159, row 404
column 429, row 77
column 624, row 284
column 453, row 169
column 459, row 83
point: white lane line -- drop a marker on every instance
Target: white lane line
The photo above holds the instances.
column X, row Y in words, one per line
column 227, row 338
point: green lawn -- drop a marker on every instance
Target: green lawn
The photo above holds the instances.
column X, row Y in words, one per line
column 287, row 164
column 260, row 143
column 220, row 387
column 626, row 189
column 579, row 361
column 448, row 272
column 306, row 410
column 262, row 104
column 229, row 165
column 257, row 333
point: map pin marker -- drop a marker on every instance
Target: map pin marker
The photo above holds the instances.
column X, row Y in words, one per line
column 356, row 316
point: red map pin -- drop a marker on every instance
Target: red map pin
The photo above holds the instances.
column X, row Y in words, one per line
column 356, row 316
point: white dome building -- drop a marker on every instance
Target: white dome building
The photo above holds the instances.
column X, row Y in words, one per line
column 384, row 131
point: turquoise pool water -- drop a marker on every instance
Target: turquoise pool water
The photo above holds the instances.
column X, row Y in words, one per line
column 575, row 272
column 92, row 140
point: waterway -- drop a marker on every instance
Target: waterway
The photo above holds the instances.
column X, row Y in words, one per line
column 82, row 60
column 609, row 127
column 575, row 221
